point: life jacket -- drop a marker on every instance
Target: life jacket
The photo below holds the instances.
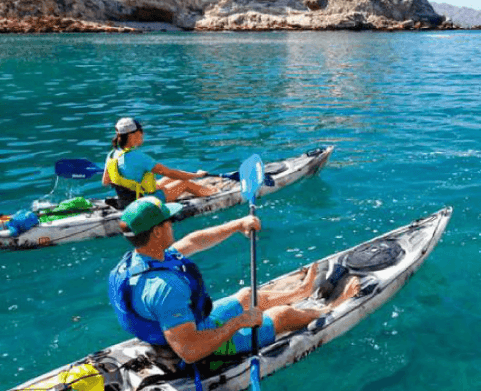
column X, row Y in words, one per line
column 146, row 186
column 120, row 293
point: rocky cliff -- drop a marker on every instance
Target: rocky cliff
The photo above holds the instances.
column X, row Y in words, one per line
column 319, row 14
column 240, row 14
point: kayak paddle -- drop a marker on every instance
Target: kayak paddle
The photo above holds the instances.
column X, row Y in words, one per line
column 76, row 168
column 252, row 178
column 84, row 169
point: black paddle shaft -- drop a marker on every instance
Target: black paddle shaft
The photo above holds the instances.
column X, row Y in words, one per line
column 255, row 345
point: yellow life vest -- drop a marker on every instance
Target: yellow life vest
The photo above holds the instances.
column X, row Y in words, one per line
column 147, row 186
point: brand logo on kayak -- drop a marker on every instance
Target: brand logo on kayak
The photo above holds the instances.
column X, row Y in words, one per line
column 78, row 176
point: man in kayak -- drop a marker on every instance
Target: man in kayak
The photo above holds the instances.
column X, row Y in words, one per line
column 160, row 297
column 131, row 172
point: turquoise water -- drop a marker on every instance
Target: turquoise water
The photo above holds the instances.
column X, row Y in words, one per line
column 402, row 110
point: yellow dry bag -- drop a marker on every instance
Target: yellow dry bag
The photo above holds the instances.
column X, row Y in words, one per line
column 78, row 378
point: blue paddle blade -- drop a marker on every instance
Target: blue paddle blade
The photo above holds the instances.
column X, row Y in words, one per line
column 251, row 174
column 76, row 168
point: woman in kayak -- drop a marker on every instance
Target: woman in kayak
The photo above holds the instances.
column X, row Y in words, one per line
column 132, row 173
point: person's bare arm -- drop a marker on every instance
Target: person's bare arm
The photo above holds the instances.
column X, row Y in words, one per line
column 209, row 237
column 193, row 345
column 106, row 178
column 177, row 174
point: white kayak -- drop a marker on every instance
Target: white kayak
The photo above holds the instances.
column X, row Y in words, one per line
column 383, row 265
column 102, row 219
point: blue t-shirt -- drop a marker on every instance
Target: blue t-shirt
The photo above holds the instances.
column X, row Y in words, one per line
column 163, row 296
column 134, row 164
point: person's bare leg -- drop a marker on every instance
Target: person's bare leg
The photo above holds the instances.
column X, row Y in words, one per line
column 267, row 299
column 287, row 318
column 164, row 181
column 287, row 283
column 352, row 288
column 174, row 189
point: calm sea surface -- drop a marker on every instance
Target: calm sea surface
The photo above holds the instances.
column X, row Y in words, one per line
column 403, row 111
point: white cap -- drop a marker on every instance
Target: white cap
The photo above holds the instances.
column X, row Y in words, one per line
column 127, row 125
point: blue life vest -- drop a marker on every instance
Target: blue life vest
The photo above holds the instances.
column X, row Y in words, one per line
column 120, row 293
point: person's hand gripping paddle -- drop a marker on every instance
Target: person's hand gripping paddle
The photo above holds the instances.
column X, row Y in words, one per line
column 251, row 179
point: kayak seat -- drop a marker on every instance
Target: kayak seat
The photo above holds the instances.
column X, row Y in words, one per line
column 188, row 372
column 373, row 256
column 203, row 366
column 112, row 365
column 326, row 286
column 113, row 202
column 166, row 363
column 125, row 196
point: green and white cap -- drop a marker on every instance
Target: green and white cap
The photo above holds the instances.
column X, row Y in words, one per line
column 147, row 212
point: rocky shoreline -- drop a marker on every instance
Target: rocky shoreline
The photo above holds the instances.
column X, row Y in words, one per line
column 251, row 21
column 122, row 16
column 53, row 24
